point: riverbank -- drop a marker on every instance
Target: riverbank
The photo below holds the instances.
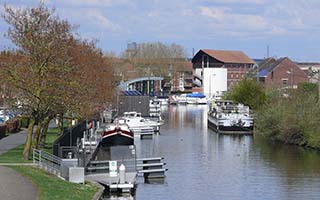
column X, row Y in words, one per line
column 48, row 186
column 291, row 120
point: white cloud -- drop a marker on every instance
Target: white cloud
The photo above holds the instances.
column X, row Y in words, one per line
column 96, row 17
column 93, row 18
column 97, row 3
column 240, row 1
column 225, row 19
column 217, row 13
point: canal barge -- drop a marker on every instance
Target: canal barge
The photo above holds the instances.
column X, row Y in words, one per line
column 227, row 117
column 117, row 134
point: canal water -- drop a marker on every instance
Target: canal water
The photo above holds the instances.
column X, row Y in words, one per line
column 207, row 166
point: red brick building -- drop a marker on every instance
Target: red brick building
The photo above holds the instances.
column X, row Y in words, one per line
column 281, row 73
column 237, row 63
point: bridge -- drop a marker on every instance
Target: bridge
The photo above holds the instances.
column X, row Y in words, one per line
column 146, row 85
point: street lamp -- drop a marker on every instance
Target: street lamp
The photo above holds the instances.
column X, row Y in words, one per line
column 210, row 84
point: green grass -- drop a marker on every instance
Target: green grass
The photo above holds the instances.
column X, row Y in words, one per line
column 51, row 187
column 52, row 135
column 13, row 156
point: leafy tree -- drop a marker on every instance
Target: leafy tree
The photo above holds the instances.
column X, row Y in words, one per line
column 247, row 92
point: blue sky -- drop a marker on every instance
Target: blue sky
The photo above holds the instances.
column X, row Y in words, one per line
column 290, row 27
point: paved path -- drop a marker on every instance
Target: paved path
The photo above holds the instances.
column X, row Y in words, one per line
column 14, row 186
column 12, row 141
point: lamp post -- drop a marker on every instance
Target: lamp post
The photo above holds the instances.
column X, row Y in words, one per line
column 210, row 84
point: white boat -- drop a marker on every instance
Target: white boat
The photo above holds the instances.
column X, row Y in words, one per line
column 135, row 121
column 154, row 108
column 192, row 98
column 178, row 99
column 196, row 98
column 227, row 117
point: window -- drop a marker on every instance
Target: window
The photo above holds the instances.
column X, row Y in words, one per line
column 231, row 75
column 285, row 82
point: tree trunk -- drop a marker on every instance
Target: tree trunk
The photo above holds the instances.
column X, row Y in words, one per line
column 35, row 142
column 44, row 131
column 61, row 125
column 70, row 122
column 27, row 145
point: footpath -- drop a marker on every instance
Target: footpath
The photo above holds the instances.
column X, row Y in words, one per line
column 14, row 186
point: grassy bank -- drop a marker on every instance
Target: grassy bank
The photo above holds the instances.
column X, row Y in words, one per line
column 293, row 119
column 15, row 155
column 52, row 188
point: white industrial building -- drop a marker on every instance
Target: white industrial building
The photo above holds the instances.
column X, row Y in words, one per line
column 214, row 80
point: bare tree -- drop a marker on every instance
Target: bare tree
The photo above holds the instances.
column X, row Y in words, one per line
column 51, row 71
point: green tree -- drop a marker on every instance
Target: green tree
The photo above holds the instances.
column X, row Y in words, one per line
column 247, row 92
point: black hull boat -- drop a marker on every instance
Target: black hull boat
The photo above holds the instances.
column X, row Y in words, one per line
column 117, row 135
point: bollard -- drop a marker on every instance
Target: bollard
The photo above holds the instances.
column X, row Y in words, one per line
column 69, row 155
column 122, row 174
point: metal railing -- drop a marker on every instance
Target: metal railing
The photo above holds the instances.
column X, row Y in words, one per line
column 47, row 161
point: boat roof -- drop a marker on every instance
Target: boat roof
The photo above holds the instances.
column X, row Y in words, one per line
column 196, row 95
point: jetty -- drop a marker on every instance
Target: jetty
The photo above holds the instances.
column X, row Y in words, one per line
column 114, row 167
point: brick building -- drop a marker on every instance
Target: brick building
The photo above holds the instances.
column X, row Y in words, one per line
column 237, row 63
column 281, row 73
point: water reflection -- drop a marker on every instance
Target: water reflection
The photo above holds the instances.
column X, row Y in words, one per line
column 206, row 165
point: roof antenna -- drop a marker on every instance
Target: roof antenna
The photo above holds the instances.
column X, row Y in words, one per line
column 267, row 51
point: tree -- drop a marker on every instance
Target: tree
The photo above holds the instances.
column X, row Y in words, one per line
column 248, row 92
column 156, row 58
column 52, row 71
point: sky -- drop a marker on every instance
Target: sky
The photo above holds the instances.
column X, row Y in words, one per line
column 289, row 27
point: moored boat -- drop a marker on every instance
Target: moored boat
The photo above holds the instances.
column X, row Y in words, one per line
column 117, row 134
column 226, row 117
column 134, row 120
column 196, row 98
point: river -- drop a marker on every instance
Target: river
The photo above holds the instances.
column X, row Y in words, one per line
column 206, row 166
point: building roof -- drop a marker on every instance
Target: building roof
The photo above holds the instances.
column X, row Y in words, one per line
column 229, row 56
column 268, row 65
column 132, row 93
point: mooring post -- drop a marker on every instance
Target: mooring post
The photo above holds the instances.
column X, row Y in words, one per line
column 122, row 174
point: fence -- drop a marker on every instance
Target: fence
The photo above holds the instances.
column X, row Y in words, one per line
column 69, row 139
column 47, row 161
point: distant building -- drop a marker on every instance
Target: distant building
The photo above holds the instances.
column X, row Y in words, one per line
column 181, row 78
column 237, row 64
column 311, row 69
column 281, row 73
